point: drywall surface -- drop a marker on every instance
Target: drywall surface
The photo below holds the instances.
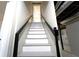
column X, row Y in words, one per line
column 23, row 12
column 48, row 12
column 16, row 14
column 7, row 28
column 73, row 36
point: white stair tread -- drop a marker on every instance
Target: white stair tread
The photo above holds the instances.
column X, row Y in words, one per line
column 33, row 24
column 36, row 32
column 36, row 25
column 37, row 54
column 37, row 44
column 37, row 29
column 36, row 49
column 36, row 36
column 36, row 41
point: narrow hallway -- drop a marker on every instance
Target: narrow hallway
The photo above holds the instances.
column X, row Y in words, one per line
column 36, row 41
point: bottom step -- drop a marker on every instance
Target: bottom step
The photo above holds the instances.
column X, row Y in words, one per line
column 30, row 51
column 36, row 54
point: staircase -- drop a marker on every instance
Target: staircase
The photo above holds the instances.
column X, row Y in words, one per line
column 36, row 42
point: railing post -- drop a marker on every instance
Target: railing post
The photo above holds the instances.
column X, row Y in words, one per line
column 16, row 45
column 56, row 41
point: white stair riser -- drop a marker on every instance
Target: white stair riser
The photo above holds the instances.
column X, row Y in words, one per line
column 36, row 32
column 36, row 36
column 36, row 29
column 36, row 41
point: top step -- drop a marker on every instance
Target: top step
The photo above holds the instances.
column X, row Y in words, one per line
column 37, row 29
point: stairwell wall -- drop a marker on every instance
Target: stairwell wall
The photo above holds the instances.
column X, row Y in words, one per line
column 16, row 14
column 23, row 12
column 72, row 30
column 48, row 12
column 7, row 29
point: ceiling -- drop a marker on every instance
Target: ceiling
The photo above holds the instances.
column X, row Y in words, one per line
column 69, row 11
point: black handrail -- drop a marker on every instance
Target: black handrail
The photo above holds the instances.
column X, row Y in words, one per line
column 17, row 38
column 56, row 37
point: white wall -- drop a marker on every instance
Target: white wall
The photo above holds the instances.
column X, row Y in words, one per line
column 73, row 36
column 48, row 12
column 7, row 27
column 15, row 16
column 23, row 11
